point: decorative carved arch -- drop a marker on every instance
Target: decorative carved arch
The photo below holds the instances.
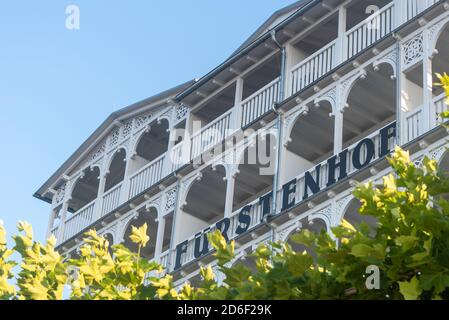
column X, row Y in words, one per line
column 81, row 174
column 348, row 84
column 166, row 116
column 156, row 206
column 291, row 121
column 435, row 32
column 285, row 233
column 321, row 216
column 330, row 97
column 124, row 224
column 112, row 234
column 341, row 207
column 112, row 156
column 238, row 257
column 187, row 185
column 136, row 140
column 388, row 59
column 438, row 154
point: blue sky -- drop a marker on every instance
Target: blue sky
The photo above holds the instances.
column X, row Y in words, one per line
column 58, row 85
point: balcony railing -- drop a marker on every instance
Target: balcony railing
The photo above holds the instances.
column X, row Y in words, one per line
column 54, row 232
column 414, row 124
column 164, row 259
column 260, row 102
column 313, row 67
column 414, row 7
column 439, row 107
column 79, row 220
column 212, row 134
column 146, row 177
column 111, row 199
column 369, row 31
column 355, row 40
column 180, row 155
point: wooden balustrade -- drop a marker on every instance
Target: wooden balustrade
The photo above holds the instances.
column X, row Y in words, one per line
column 146, row 177
column 260, row 102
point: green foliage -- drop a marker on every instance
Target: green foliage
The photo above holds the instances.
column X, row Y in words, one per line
column 410, row 246
column 444, row 82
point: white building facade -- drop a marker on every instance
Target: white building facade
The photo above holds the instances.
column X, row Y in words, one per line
column 271, row 141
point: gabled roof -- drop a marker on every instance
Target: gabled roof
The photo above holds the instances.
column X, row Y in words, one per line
column 104, row 128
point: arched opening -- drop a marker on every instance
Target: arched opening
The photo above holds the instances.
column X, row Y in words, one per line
column 353, row 216
column 204, row 204
column 116, row 172
column 74, row 254
column 443, row 166
column 371, row 104
column 255, row 171
column 152, row 144
column 150, row 217
column 110, row 240
column 311, row 141
column 85, row 190
column 196, row 281
column 440, row 63
column 247, row 261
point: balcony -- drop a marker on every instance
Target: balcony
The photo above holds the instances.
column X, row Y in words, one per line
column 369, row 31
column 314, row 67
column 212, row 134
column 111, row 199
column 79, row 220
column 260, row 102
column 147, row 176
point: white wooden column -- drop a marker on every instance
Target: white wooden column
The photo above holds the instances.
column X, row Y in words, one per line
column 292, row 59
column 338, row 131
column 160, row 237
column 169, row 156
column 399, row 101
column 126, row 181
column 100, row 193
column 237, row 116
column 427, row 84
column 51, row 221
column 338, row 112
column 341, row 52
column 61, row 229
column 230, row 185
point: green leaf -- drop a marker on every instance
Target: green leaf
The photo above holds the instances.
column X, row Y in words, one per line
column 410, row 290
column 361, row 250
column 299, row 263
column 406, row 242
